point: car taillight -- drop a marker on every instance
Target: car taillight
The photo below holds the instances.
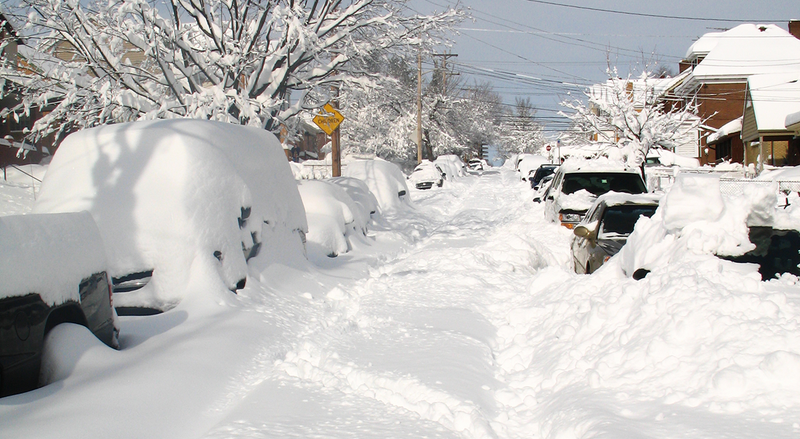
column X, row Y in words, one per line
column 569, row 220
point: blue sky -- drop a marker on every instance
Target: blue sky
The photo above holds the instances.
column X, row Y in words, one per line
column 543, row 50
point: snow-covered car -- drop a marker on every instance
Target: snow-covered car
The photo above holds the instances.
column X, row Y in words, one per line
column 527, row 164
column 334, row 218
column 175, row 196
column 53, row 271
column 384, row 179
column 476, row 164
column 578, row 182
column 606, row 227
column 452, row 165
column 426, row 174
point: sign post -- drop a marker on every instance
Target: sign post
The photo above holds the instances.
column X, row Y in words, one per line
column 329, row 123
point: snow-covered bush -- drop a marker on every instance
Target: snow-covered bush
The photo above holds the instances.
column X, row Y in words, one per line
column 177, row 195
column 384, row 179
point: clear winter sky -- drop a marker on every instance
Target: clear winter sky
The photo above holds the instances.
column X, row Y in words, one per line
column 545, row 49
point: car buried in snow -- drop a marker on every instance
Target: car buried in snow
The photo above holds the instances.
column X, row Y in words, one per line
column 606, row 227
column 172, row 196
column 426, row 175
column 53, row 271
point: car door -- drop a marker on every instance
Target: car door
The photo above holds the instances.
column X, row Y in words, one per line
column 583, row 248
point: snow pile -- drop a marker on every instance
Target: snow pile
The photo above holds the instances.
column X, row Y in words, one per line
column 169, row 194
column 49, row 255
column 384, row 179
column 696, row 221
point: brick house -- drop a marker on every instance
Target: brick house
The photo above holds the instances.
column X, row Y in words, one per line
column 769, row 101
column 719, row 64
column 12, row 128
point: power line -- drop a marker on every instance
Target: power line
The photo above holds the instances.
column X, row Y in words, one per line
column 641, row 14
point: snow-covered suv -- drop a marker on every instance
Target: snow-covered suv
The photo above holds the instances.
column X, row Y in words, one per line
column 578, row 182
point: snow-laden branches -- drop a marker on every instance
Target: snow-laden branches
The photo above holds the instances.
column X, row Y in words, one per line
column 98, row 61
column 631, row 115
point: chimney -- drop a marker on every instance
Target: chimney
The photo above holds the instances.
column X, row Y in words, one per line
column 794, row 28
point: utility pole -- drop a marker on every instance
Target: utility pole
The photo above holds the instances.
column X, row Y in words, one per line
column 445, row 73
column 336, row 159
column 419, row 108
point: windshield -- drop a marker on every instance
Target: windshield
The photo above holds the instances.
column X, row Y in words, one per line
column 599, row 183
column 619, row 220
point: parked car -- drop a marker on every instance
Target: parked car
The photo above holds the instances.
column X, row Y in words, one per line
column 476, row 164
column 452, row 166
column 777, row 251
column 53, row 271
column 542, row 188
column 527, row 164
column 542, row 172
column 170, row 195
column 384, row 179
column 578, row 182
column 427, row 174
column 606, row 227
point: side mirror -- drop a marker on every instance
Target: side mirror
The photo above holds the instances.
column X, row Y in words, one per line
column 537, row 200
column 583, row 232
column 550, row 198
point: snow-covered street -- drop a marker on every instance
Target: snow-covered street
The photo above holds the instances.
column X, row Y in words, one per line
column 458, row 318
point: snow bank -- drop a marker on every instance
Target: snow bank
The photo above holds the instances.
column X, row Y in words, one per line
column 49, row 255
column 167, row 193
column 384, row 179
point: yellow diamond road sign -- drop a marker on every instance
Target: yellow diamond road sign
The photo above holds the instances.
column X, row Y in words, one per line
column 329, row 122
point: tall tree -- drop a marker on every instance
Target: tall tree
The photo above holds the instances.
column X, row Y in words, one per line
column 519, row 131
column 630, row 117
column 100, row 61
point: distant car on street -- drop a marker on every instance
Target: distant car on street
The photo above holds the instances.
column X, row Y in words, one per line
column 427, row 174
column 53, row 271
column 606, row 227
column 476, row 164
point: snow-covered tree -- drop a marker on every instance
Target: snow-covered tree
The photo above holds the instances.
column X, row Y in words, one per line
column 630, row 117
column 252, row 62
column 519, row 131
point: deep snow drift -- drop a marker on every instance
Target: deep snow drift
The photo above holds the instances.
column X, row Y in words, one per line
column 456, row 317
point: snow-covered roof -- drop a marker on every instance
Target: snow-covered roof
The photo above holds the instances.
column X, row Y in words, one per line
column 745, row 50
column 774, row 97
column 732, row 127
column 793, row 119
